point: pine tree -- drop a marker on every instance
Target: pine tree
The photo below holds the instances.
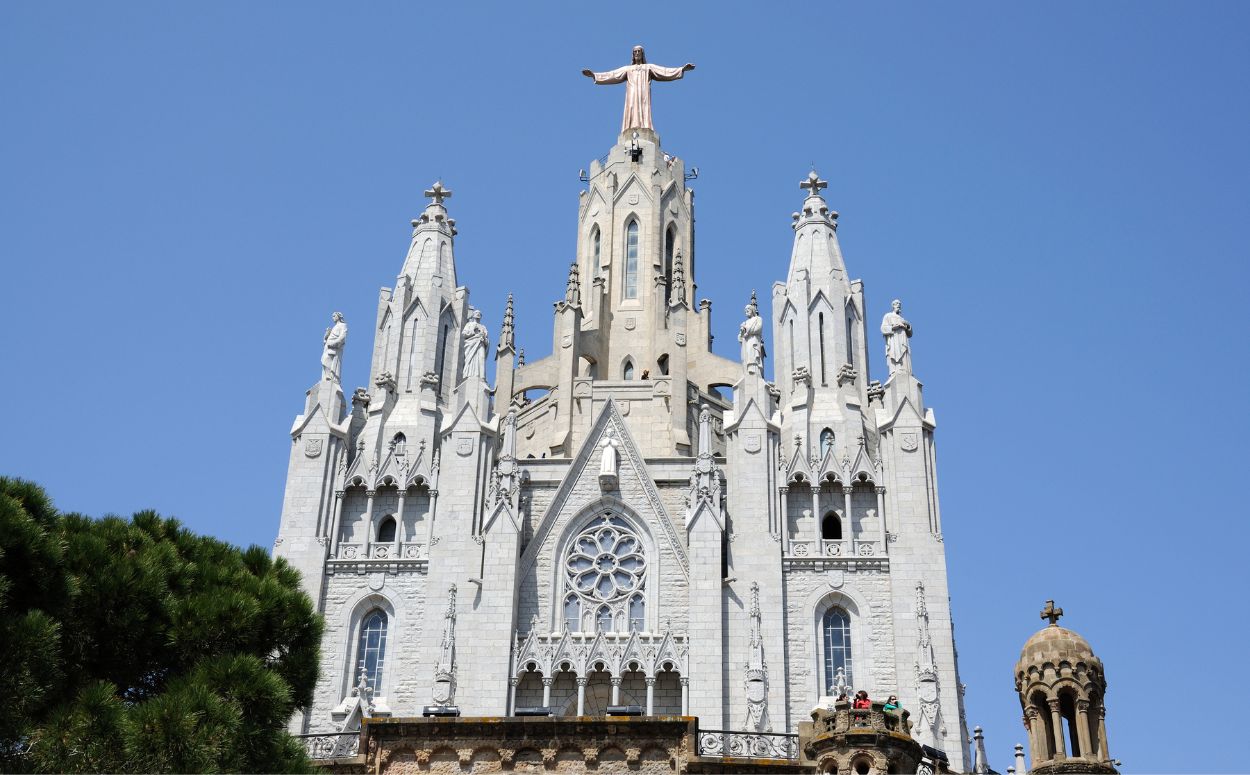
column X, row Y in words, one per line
column 159, row 650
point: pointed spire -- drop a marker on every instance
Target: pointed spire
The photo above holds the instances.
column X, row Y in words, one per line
column 678, row 293
column 573, row 291
column 506, row 333
column 980, row 764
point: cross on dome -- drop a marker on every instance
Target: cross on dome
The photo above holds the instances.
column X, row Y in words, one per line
column 437, row 193
column 814, row 183
column 1052, row 613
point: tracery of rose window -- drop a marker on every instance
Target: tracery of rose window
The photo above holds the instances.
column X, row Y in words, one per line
column 605, row 572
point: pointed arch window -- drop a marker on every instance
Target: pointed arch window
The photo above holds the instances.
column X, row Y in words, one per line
column 670, row 239
column 823, row 378
column 627, row 371
column 595, row 250
column 662, row 364
column 603, row 619
column 631, row 260
column 637, row 614
column 831, row 527
column 835, row 630
column 386, row 530
column 401, row 443
column 826, row 442
column 850, row 337
column 793, row 365
column 572, row 613
column 371, row 650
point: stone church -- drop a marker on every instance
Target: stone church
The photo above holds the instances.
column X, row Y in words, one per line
column 630, row 524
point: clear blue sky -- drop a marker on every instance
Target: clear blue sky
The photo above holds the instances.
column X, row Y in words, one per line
column 1057, row 191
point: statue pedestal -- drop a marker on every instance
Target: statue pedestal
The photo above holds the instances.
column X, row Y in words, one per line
column 608, row 482
column 474, row 392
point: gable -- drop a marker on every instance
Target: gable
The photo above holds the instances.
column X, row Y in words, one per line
column 579, row 493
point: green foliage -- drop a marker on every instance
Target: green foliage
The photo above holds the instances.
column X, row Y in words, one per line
column 139, row 646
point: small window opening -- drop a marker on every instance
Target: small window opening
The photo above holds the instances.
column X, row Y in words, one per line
column 386, row 530
column 662, row 365
column 831, row 527
column 628, row 371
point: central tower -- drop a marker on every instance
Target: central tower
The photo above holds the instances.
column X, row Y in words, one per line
column 625, row 327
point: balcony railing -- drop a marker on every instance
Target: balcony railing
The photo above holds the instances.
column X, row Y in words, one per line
column 747, row 745
column 334, row 745
column 407, row 550
column 836, row 548
column 844, row 719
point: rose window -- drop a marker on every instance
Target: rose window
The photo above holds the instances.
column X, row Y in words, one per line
column 606, row 562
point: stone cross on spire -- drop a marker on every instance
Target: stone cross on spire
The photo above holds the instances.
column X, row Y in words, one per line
column 813, row 182
column 1052, row 613
column 437, row 193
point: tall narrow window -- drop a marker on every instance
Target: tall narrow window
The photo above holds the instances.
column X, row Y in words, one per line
column 401, row 444
column 603, row 620
column 637, row 614
column 662, row 364
column 572, row 614
column 631, row 260
column 826, row 442
column 850, row 338
column 670, row 237
column 386, row 530
column 627, row 371
column 594, row 251
column 371, row 650
column 823, row 379
column 441, row 360
column 793, row 365
column 412, row 356
column 836, row 632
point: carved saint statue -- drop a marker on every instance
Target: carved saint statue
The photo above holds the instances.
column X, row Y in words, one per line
column 332, row 354
column 751, row 335
column 475, row 339
column 639, row 76
column 896, row 331
column 609, row 445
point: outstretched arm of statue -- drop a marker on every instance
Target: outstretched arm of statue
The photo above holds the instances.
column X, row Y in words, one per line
column 611, row 76
column 660, row 73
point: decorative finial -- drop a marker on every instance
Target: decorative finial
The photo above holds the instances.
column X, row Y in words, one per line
column 1052, row 613
column 813, row 184
column 506, row 339
column 678, row 293
column 437, row 193
column 573, row 291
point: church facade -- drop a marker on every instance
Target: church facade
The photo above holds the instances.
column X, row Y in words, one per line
column 631, row 519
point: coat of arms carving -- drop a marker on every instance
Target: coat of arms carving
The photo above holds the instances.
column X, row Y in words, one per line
column 312, row 447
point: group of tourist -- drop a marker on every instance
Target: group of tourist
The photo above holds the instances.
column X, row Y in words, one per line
column 861, row 701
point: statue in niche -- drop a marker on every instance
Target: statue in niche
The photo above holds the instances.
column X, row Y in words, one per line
column 896, row 331
column 332, row 353
column 475, row 339
column 751, row 336
column 608, row 468
column 639, row 76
